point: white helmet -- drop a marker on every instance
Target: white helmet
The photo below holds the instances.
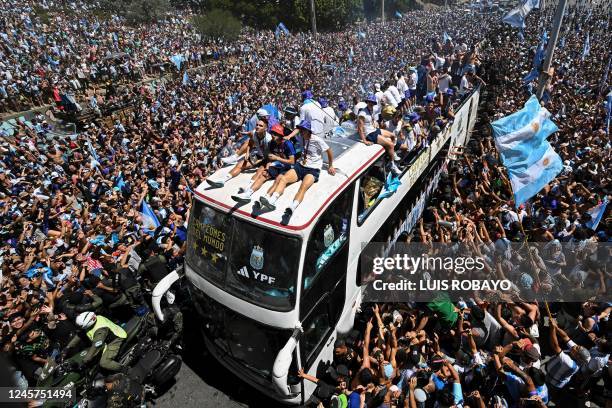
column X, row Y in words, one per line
column 86, row 319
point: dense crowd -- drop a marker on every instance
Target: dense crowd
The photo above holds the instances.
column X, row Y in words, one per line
column 76, row 236
column 54, row 50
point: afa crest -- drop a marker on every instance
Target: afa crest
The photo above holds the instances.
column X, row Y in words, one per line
column 328, row 235
column 257, row 257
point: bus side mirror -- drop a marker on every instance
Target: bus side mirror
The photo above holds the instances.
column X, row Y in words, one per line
column 160, row 290
column 282, row 362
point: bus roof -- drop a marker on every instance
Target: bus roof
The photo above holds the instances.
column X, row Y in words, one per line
column 351, row 157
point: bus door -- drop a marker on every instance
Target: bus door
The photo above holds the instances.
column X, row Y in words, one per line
column 323, row 291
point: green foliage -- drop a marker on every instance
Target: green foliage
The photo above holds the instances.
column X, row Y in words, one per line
column 218, row 23
column 42, row 14
column 146, row 10
column 331, row 14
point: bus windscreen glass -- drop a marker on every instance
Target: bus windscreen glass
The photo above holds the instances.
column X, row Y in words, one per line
column 244, row 259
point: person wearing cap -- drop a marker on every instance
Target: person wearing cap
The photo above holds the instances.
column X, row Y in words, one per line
column 280, row 160
column 331, row 119
column 306, row 169
column 104, row 335
column 255, row 153
column 369, row 132
column 312, row 112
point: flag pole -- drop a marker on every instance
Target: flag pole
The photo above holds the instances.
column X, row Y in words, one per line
column 550, row 48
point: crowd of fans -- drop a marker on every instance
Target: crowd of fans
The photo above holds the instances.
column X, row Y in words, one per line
column 74, row 237
column 53, row 49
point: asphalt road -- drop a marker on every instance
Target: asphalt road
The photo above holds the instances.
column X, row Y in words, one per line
column 203, row 382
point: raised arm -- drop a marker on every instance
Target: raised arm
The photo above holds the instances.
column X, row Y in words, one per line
column 507, row 326
column 554, row 342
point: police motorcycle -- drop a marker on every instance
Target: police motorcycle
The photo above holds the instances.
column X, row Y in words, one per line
column 149, row 363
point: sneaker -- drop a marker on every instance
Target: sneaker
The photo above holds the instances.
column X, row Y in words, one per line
column 216, row 184
column 264, row 202
column 242, row 198
column 396, row 157
column 395, row 170
column 233, row 159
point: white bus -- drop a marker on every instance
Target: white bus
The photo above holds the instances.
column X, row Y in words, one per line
column 273, row 296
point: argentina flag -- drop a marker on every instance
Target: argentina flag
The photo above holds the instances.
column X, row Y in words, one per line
column 521, row 141
column 516, row 16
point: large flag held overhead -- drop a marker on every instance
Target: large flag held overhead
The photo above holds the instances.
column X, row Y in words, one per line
column 516, row 16
column 281, row 29
column 597, row 214
column 149, row 219
column 521, row 141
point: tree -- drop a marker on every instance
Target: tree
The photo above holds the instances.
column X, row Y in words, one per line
column 331, row 14
column 146, row 10
column 218, row 24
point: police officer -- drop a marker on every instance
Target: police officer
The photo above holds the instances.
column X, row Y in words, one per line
column 104, row 335
column 154, row 268
column 124, row 278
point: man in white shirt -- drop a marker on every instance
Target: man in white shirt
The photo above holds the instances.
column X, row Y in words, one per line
column 444, row 81
column 392, row 95
column 330, row 119
column 379, row 97
column 312, row 112
column 307, row 169
column 402, row 87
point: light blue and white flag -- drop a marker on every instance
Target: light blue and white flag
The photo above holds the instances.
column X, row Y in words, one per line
column 521, row 141
column 537, row 60
column 149, row 219
column 177, row 60
column 186, row 80
column 516, row 16
column 361, row 35
column 446, row 37
column 586, row 50
column 597, row 214
column 281, row 29
column 398, row 14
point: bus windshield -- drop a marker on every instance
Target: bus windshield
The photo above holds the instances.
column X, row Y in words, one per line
column 244, row 259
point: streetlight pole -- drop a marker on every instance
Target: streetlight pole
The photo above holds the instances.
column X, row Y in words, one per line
column 382, row 13
column 550, row 48
column 313, row 17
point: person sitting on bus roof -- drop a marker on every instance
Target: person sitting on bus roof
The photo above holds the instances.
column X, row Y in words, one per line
column 261, row 114
column 369, row 132
column 312, row 112
column 306, row 169
column 280, row 160
column 256, row 151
